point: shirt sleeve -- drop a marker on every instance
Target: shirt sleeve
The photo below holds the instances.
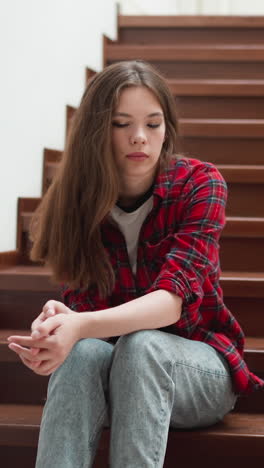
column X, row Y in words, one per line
column 83, row 301
column 194, row 254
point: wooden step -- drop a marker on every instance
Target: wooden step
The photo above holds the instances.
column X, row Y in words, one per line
column 225, row 128
column 70, row 111
column 212, row 127
column 216, row 87
column 223, row 150
column 206, row 98
column 89, row 74
column 26, row 278
column 250, row 227
column 242, row 235
column 199, row 61
column 245, row 186
column 30, row 287
column 242, row 284
column 219, row 107
column 239, row 435
column 247, row 310
column 25, row 209
column 51, row 160
column 190, row 29
column 24, row 289
column 33, row 388
column 198, row 22
column 246, row 174
column 210, row 70
column 232, row 173
column 186, row 53
column 254, row 349
column 238, row 227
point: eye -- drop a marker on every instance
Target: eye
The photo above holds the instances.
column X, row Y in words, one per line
column 153, row 125
column 119, row 125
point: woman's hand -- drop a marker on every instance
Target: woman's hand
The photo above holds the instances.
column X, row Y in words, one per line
column 50, row 309
column 53, row 339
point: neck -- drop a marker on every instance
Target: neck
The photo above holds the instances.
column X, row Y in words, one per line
column 133, row 188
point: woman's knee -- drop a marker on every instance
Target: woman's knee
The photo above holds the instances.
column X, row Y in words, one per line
column 139, row 350
column 87, row 357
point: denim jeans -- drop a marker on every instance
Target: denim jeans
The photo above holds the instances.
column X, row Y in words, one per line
column 148, row 381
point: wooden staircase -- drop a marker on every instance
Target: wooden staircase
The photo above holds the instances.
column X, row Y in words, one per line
column 215, row 69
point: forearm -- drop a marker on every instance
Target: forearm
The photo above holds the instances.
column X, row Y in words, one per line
column 154, row 310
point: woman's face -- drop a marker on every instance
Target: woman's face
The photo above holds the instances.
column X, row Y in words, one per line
column 138, row 132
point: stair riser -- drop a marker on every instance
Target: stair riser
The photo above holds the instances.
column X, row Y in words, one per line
column 249, row 313
column 245, row 200
column 230, row 253
column 223, row 150
column 22, row 386
column 24, row 457
column 11, row 457
column 242, row 254
column 206, row 70
column 212, row 107
column 190, row 36
column 18, row 309
column 235, row 451
column 241, row 200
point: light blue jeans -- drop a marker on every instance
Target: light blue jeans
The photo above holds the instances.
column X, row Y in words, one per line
column 148, row 381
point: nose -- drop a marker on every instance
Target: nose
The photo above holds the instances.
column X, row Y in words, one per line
column 138, row 138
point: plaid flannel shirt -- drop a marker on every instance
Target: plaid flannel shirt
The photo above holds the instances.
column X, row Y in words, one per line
column 178, row 250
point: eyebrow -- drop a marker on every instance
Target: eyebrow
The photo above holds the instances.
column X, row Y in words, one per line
column 123, row 114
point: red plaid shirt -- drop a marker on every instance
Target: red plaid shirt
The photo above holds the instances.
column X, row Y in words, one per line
column 178, row 250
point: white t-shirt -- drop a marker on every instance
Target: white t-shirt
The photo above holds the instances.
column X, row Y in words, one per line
column 130, row 225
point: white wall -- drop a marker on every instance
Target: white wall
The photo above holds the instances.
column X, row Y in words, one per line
column 45, row 46
column 192, row 7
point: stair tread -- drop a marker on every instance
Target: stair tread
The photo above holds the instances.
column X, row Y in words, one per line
column 221, row 128
column 245, row 424
column 192, row 21
column 26, row 269
column 44, row 271
column 198, row 46
column 211, row 53
column 242, row 275
column 27, row 277
column 221, row 121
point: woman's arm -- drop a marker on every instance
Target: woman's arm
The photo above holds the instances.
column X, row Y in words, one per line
column 54, row 338
column 154, row 310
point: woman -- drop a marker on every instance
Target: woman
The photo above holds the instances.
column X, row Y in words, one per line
column 132, row 232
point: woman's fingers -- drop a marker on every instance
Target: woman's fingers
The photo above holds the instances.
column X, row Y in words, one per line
column 30, row 364
column 50, row 309
column 27, row 341
column 45, row 365
column 29, row 354
column 40, row 337
column 42, row 367
column 47, row 312
column 46, row 328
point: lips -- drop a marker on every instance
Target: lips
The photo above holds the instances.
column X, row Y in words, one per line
column 137, row 155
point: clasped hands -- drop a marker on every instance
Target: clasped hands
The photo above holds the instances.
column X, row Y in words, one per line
column 53, row 334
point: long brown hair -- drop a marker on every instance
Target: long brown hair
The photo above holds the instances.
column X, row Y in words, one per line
column 65, row 228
